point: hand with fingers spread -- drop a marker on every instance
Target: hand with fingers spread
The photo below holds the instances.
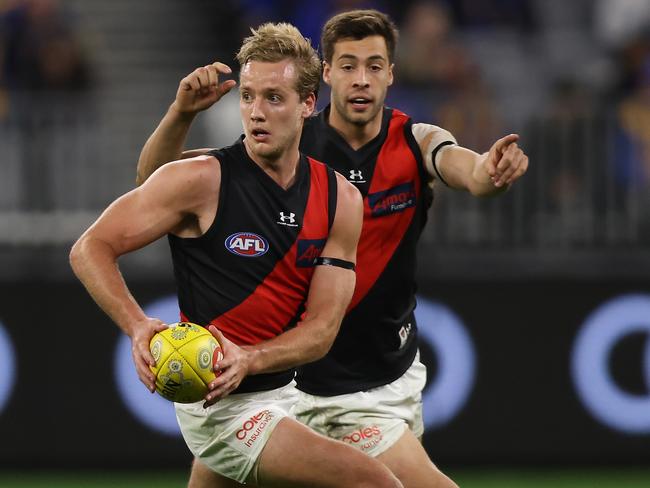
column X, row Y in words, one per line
column 230, row 371
column 506, row 162
column 201, row 88
column 141, row 335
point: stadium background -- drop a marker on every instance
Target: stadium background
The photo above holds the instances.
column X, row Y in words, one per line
column 534, row 307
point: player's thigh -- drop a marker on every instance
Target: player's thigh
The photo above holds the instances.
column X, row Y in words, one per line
column 408, row 460
column 203, row 477
column 296, row 456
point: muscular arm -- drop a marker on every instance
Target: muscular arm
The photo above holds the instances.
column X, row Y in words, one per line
column 484, row 174
column 196, row 92
column 465, row 169
column 131, row 222
column 330, row 293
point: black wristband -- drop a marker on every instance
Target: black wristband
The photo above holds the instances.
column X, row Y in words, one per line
column 340, row 263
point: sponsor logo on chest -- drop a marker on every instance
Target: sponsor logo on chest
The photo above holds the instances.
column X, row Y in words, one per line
column 396, row 199
column 246, row 244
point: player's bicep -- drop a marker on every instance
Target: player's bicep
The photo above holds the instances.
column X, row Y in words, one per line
column 129, row 223
column 330, row 292
column 146, row 213
column 333, row 281
column 432, row 141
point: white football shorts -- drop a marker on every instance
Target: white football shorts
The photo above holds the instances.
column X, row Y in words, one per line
column 228, row 437
column 371, row 420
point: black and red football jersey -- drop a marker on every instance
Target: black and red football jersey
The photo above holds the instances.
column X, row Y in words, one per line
column 377, row 341
column 249, row 273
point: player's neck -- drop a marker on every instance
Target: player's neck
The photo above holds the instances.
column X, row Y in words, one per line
column 283, row 174
column 356, row 135
column 282, row 168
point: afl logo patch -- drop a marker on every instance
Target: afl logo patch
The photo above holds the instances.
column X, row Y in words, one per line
column 247, row 244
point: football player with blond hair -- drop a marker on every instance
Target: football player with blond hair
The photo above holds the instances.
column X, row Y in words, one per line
column 367, row 391
column 244, row 223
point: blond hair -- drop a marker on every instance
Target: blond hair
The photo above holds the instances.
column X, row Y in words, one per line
column 276, row 42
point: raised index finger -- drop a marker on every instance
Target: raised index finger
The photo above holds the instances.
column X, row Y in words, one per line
column 504, row 142
column 222, row 68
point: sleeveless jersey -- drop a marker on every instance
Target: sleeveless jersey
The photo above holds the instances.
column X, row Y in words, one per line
column 249, row 273
column 377, row 341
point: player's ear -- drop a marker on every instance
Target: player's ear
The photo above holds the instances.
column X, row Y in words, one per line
column 390, row 74
column 309, row 105
column 327, row 72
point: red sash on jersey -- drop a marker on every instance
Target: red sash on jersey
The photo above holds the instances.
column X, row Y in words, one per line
column 389, row 206
column 278, row 299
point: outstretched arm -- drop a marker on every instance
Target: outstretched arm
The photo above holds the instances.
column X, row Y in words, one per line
column 460, row 168
column 196, row 92
column 330, row 293
column 484, row 174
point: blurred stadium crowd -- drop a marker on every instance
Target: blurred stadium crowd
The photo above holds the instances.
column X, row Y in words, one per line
column 83, row 82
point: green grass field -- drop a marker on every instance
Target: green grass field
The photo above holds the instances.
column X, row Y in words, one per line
column 601, row 478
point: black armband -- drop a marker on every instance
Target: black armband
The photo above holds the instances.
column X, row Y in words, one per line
column 340, row 263
column 434, row 153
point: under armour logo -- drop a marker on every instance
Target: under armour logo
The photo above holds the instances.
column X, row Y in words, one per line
column 288, row 220
column 290, row 217
column 356, row 177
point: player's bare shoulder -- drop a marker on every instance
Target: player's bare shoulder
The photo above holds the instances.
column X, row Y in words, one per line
column 193, row 179
column 349, row 198
column 349, row 212
column 189, row 187
column 205, row 173
column 426, row 134
column 200, row 170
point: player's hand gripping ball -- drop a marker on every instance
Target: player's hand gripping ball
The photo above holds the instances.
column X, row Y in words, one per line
column 185, row 354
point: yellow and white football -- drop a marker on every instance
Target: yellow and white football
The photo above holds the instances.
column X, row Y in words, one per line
column 185, row 354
